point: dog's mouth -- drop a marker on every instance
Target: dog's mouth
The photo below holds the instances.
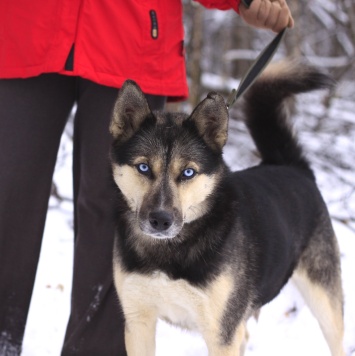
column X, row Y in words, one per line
column 160, row 224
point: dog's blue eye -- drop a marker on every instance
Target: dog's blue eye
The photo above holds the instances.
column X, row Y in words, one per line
column 143, row 168
column 188, row 173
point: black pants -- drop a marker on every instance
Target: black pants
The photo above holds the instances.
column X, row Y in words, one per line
column 33, row 114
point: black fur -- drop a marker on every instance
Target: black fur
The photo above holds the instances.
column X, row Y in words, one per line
column 260, row 220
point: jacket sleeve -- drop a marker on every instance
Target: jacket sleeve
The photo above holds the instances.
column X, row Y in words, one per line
column 221, row 4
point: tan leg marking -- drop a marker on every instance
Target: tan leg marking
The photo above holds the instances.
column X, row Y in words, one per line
column 327, row 310
column 235, row 348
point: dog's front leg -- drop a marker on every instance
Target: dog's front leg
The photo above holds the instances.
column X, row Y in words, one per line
column 140, row 335
column 217, row 346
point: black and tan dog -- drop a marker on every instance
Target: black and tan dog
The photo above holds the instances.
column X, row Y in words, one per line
column 203, row 247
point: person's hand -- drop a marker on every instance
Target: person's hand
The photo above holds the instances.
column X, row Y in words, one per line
column 270, row 14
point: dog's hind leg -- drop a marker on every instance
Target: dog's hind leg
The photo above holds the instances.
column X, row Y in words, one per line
column 326, row 305
column 318, row 277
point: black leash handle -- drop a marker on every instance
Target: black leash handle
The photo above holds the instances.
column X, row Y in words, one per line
column 256, row 68
column 247, row 3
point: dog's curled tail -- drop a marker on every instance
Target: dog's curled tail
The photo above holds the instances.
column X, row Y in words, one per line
column 267, row 114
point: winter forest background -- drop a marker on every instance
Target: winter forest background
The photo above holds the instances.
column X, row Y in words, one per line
column 219, row 50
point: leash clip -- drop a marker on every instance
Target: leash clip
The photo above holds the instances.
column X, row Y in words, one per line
column 231, row 98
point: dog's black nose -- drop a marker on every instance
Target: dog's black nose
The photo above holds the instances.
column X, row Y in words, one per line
column 161, row 220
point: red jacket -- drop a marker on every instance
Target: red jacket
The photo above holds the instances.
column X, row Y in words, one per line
column 106, row 41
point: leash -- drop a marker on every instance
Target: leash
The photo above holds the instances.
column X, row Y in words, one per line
column 256, row 68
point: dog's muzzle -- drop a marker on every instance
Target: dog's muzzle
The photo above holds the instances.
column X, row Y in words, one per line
column 161, row 224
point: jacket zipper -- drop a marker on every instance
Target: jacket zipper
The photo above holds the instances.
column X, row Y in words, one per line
column 154, row 24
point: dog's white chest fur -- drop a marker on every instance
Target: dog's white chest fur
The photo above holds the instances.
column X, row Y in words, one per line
column 176, row 301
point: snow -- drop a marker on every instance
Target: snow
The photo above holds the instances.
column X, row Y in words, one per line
column 285, row 325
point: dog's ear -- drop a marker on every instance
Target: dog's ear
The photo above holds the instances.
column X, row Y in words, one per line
column 130, row 110
column 211, row 120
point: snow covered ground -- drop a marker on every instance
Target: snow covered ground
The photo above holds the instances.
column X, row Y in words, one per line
column 285, row 326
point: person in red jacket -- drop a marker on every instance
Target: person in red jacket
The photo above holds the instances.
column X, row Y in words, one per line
column 54, row 54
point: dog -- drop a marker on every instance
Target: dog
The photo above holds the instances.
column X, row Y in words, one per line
column 205, row 248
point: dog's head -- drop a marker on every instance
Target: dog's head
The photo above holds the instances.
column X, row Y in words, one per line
column 167, row 164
